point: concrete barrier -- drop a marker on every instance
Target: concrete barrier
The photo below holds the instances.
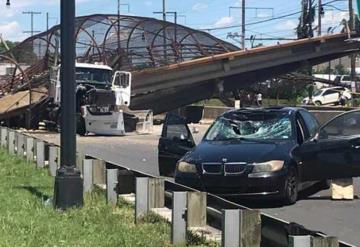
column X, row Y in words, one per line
column 321, row 115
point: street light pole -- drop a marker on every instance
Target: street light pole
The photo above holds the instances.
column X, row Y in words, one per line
column 68, row 189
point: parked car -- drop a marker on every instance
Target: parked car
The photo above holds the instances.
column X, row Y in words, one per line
column 328, row 96
column 262, row 152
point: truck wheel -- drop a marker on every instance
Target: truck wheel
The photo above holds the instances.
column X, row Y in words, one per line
column 81, row 127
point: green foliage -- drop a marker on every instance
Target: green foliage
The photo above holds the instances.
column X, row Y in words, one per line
column 340, row 70
column 28, row 219
column 9, row 44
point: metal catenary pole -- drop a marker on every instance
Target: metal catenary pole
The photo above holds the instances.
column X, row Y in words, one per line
column 319, row 17
column 243, row 10
column 353, row 57
column 164, row 27
column 68, row 191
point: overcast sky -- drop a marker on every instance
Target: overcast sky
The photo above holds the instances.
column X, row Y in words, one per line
column 200, row 14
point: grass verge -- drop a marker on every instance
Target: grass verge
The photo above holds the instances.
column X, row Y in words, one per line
column 28, row 219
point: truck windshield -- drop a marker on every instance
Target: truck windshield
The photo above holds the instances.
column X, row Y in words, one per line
column 93, row 76
column 259, row 126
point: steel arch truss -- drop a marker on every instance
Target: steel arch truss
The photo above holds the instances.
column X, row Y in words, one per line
column 140, row 43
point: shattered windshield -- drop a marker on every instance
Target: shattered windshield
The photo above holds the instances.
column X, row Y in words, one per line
column 252, row 126
column 93, row 76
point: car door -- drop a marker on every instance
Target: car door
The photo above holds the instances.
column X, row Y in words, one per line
column 330, row 96
column 175, row 141
column 334, row 152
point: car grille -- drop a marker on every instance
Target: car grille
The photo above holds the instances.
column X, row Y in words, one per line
column 234, row 168
column 226, row 169
column 212, row 168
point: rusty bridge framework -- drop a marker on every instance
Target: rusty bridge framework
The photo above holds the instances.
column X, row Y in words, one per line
column 140, row 43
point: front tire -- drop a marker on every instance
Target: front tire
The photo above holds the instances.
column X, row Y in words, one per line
column 290, row 193
column 318, row 103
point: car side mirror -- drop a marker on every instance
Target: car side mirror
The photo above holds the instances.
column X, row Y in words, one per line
column 181, row 138
column 316, row 137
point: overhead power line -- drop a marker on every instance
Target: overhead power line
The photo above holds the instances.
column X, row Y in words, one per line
column 264, row 21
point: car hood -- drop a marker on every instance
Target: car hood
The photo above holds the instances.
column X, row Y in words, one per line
column 239, row 151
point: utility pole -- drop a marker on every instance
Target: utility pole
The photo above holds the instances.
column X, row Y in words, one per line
column 164, row 10
column 320, row 13
column 32, row 13
column 164, row 31
column 175, row 13
column 118, row 29
column 68, row 189
column 243, row 24
column 353, row 56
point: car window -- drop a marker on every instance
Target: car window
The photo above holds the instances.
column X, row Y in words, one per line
column 254, row 126
column 327, row 92
column 346, row 78
column 177, row 131
column 310, row 122
column 345, row 125
column 318, row 93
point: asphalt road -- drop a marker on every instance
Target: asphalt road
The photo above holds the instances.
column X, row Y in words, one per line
column 316, row 212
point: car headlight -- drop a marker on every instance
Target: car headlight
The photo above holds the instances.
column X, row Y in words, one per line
column 270, row 166
column 186, row 167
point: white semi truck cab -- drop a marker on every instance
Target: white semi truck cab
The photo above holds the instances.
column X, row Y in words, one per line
column 103, row 101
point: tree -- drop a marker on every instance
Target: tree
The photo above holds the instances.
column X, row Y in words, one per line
column 9, row 44
column 340, row 70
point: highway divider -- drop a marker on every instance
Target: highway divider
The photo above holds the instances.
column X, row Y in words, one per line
column 185, row 208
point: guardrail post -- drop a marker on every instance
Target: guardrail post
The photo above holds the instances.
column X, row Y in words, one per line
column 88, row 175
column 40, row 154
column 53, row 160
column 111, row 183
column 16, row 141
column 99, row 173
column 29, row 149
column 4, row 137
column 250, row 228
column 178, row 223
column 196, row 205
column 79, row 161
column 324, row 242
column 230, row 228
column 299, row 241
column 11, row 142
column 20, row 144
column 141, row 198
column 156, row 193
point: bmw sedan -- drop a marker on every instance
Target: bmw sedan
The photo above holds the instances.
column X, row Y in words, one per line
column 262, row 152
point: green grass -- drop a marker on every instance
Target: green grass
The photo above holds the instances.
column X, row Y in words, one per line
column 26, row 220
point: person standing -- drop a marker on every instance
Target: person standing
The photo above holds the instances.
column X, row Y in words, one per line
column 259, row 99
column 342, row 98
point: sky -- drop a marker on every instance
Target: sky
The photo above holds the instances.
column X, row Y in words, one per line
column 197, row 14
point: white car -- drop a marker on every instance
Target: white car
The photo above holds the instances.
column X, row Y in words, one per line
column 328, row 96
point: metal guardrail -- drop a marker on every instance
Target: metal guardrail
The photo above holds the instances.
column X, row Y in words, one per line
column 274, row 231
